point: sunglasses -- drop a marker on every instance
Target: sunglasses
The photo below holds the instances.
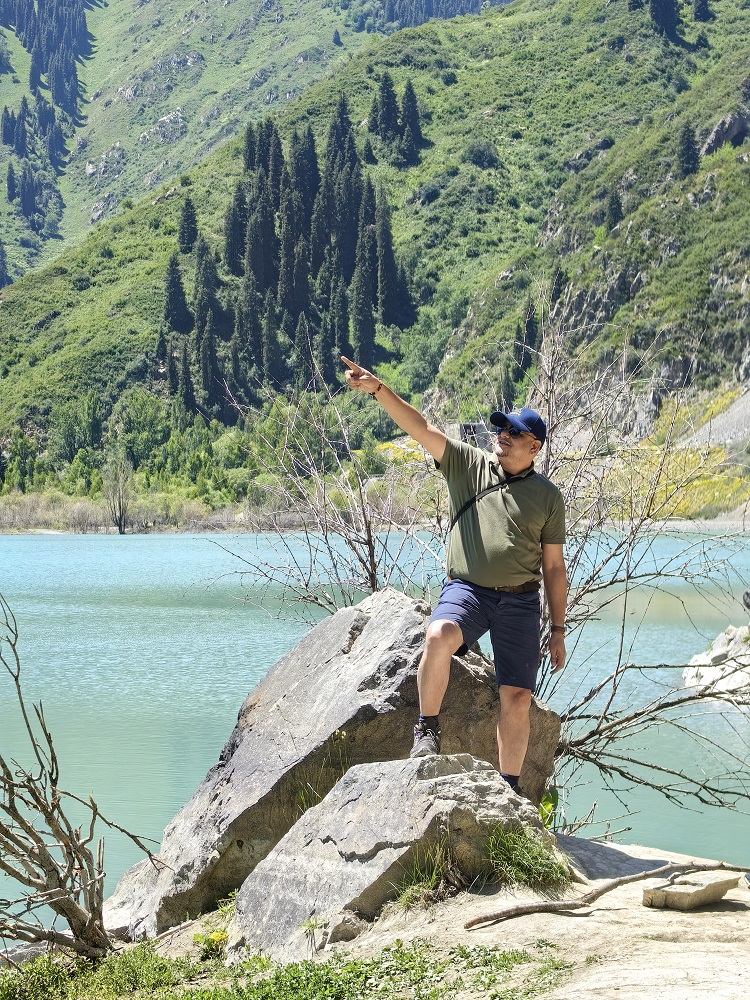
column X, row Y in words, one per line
column 513, row 431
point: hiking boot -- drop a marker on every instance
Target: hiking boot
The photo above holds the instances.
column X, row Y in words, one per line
column 426, row 741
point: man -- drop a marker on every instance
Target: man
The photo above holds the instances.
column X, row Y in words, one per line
column 507, row 534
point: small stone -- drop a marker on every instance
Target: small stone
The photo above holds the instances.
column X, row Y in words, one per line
column 689, row 891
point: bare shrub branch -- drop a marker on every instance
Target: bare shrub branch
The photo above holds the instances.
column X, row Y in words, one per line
column 59, row 864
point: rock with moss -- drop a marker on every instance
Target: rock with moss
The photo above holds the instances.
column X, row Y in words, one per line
column 345, row 695
column 386, row 829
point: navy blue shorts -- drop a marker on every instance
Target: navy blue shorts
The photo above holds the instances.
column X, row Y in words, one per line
column 511, row 619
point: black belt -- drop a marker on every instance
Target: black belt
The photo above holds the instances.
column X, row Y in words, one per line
column 522, row 588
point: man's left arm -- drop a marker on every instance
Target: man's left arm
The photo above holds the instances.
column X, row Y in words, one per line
column 556, row 590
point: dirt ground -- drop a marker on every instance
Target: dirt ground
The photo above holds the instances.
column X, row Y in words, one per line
column 617, row 949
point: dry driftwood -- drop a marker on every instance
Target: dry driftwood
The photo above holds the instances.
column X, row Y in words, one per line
column 562, row 905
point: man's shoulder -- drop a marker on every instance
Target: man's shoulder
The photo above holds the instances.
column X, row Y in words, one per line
column 545, row 485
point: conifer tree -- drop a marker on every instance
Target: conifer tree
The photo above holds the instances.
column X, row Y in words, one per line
column 339, row 318
column 613, row 213
column 270, row 341
column 235, row 231
column 7, row 129
column 388, row 290
column 530, row 336
column 172, row 377
column 12, row 187
column 285, row 292
column 687, row 151
column 276, row 164
column 176, row 312
column 4, row 276
column 388, row 112
column 367, row 151
column 236, row 361
column 248, row 149
column 185, row 387
column 187, row 231
column 20, row 145
column 261, row 250
column 410, row 118
column 665, row 16
column 373, row 118
column 304, row 175
column 361, row 297
column 303, row 351
column 209, row 364
column 27, row 192
column 247, row 321
column 301, row 279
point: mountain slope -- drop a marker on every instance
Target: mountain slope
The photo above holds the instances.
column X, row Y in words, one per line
column 531, row 116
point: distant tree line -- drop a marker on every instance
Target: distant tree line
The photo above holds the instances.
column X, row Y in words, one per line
column 35, row 137
column 380, row 15
column 55, row 34
column 311, row 269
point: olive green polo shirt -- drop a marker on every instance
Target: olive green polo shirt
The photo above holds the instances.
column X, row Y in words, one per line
column 497, row 541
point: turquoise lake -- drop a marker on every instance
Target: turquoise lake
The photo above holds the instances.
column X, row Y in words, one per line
column 142, row 651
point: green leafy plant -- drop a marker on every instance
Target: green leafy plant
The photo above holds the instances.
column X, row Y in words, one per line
column 213, row 944
column 548, row 806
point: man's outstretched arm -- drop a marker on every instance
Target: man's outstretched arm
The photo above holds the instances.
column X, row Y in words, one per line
column 408, row 418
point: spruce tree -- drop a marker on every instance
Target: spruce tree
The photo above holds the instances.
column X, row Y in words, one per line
column 12, row 187
column 613, row 214
column 303, row 351
column 248, row 149
column 687, row 151
column 172, row 377
column 209, row 364
column 387, row 270
column 388, row 113
column 301, row 279
column 271, row 355
column 665, row 16
column 339, row 319
column 410, row 115
column 373, row 119
column 185, row 388
column 20, row 145
column 176, row 312
column 187, row 231
column 5, row 278
column 27, row 192
column 235, row 231
column 6, row 127
column 361, row 297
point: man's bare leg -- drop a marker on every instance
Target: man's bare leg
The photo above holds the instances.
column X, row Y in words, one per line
column 513, row 728
column 442, row 640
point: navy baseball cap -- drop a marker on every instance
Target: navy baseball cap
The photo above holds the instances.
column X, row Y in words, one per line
column 527, row 420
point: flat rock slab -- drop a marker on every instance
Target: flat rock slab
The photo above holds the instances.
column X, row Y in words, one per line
column 345, row 695
column 690, row 891
column 349, row 854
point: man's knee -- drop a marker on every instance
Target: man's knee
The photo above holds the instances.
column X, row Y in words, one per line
column 443, row 635
column 514, row 700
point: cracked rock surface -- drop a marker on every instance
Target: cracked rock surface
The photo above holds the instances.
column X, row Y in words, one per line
column 349, row 854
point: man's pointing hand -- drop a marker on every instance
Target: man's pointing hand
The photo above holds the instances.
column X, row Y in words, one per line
column 359, row 378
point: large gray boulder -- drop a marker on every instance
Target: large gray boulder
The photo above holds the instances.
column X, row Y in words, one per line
column 346, row 694
column 345, row 858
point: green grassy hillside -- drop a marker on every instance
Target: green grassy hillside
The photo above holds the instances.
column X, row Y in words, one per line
column 532, row 117
column 165, row 84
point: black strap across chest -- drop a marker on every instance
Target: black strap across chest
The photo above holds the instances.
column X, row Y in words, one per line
column 490, row 489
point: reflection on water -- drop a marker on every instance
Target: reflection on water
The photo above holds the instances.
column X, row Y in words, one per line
column 142, row 652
